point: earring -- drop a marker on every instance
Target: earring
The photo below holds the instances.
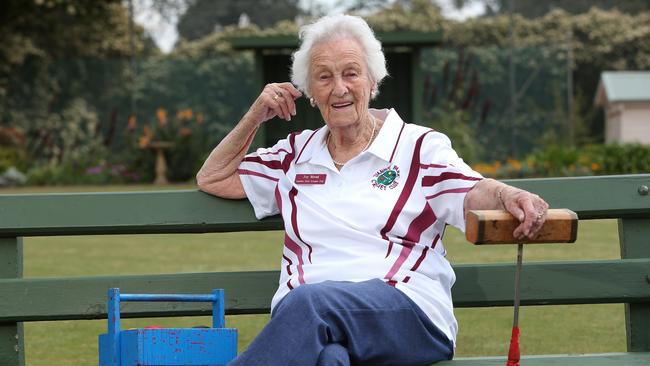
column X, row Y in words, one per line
column 373, row 93
column 312, row 102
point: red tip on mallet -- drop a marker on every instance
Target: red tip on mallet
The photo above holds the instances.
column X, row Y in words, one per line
column 513, row 353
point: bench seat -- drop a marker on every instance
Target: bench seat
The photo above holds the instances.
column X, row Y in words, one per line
column 602, row 359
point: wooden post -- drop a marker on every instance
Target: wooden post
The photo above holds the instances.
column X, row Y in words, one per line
column 416, row 86
column 634, row 235
column 12, row 344
column 258, row 84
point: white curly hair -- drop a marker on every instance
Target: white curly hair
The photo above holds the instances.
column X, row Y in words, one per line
column 334, row 27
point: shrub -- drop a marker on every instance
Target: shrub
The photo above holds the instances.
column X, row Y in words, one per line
column 619, row 159
column 558, row 161
column 81, row 172
column 456, row 124
column 13, row 157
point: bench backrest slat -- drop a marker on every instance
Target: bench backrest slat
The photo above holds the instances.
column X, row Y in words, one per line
column 593, row 197
column 250, row 292
column 126, row 213
column 194, row 211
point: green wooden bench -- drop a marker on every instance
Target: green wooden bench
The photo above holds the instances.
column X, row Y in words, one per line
column 479, row 285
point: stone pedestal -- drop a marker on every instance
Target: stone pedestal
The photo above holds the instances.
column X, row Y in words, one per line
column 159, row 148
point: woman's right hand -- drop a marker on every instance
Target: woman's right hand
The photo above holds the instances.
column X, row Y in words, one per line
column 218, row 175
column 276, row 99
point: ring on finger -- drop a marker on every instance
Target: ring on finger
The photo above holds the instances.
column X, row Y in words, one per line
column 539, row 216
column 278, row 93
column 276, row 97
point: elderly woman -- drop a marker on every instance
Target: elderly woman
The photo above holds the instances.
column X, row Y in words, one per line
column 365, row 200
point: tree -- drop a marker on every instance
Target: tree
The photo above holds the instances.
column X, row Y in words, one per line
column 534, row 8
column 55, row 60
column 363, row 6
column 51, row 30
column 203, row 17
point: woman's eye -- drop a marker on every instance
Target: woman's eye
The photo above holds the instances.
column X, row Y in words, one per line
column 324, row 77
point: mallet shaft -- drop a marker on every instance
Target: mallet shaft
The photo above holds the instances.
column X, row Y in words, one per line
column 520, row 255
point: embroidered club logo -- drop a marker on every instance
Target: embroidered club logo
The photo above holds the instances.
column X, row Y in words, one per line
column 386, row 178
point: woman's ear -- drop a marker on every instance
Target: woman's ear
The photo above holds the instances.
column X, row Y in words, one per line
column 307, row 95
column 373, row 90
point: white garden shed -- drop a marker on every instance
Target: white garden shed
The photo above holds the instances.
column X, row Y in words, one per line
column 625, row 95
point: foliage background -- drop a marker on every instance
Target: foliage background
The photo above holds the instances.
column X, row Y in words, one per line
column 81, row 104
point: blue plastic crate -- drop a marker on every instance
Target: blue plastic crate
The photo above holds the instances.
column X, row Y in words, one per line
column 167, row 346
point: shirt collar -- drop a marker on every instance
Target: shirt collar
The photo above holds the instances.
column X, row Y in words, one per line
column 316, row 149
column 386, row 141
column 383, row 146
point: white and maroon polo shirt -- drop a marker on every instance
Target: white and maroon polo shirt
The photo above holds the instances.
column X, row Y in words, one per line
column 382, row 216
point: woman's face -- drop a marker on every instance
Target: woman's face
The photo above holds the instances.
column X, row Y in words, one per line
column 339, row 81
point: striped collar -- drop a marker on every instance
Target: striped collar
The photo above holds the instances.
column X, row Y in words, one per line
column 384, row 145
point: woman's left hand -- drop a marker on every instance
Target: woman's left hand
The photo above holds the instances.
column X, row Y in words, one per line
column 529, row 208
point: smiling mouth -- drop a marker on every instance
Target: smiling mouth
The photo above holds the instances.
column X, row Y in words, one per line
column 341, row 105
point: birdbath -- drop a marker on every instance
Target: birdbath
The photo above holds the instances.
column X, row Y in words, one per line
column 161, row 163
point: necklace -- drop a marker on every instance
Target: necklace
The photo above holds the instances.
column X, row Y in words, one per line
column 374, row 125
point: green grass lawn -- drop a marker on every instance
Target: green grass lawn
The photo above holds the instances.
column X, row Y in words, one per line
column 485, row 331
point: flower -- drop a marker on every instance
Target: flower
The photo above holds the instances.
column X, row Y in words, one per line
column 487, row 169
column 161, row 114
column 145, row 138
column 514, row 164
column 95, row 170
column 131, row 124
column 184, row 114
column 12, row 136
column 113, row 172
column 184, row 132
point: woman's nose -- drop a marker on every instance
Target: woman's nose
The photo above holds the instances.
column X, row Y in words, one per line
column 340, row 89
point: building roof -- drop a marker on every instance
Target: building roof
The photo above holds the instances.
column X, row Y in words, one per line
column 623, row 86
column 388, row 39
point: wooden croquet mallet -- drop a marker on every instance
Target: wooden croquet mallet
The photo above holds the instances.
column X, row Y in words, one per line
column 496, row 227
